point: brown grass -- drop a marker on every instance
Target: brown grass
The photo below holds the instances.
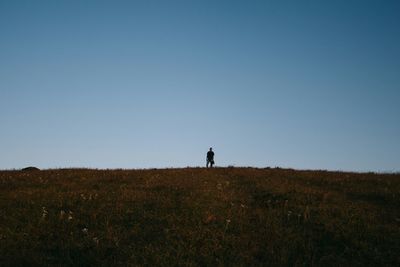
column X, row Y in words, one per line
column 199, row 217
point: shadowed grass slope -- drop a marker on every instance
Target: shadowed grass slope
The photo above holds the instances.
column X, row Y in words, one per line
column 199, row 217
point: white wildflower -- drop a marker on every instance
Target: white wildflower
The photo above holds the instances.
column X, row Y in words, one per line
column 70, row 215
column 289, row 213
column 44, row 212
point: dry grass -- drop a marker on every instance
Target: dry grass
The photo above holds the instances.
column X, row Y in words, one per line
column 199, row 217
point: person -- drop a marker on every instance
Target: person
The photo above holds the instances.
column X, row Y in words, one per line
column 210, row 158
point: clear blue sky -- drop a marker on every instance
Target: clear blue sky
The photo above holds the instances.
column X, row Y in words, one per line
column 139, row 84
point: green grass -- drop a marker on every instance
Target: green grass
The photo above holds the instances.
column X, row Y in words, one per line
column 199, row 217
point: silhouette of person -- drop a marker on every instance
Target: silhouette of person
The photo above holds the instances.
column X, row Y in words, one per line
column 210, row 158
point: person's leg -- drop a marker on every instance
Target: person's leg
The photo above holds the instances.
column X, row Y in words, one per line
column 207, row 164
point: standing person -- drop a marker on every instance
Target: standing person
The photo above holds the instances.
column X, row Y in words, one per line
column 210, row 158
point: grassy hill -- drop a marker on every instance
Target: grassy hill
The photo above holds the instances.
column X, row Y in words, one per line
column 199, row 217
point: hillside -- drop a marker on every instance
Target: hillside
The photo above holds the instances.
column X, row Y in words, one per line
column 199, row 217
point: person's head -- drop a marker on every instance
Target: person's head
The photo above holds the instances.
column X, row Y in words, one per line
column 210, row 148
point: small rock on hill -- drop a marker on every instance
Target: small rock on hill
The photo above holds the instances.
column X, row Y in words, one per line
column 30, row 169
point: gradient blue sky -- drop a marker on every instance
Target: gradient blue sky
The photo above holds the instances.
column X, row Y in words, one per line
column 139, row 84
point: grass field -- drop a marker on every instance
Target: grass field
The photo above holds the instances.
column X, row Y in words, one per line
column 199, row 217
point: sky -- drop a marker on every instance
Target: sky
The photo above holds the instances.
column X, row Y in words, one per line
column 154, row 84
